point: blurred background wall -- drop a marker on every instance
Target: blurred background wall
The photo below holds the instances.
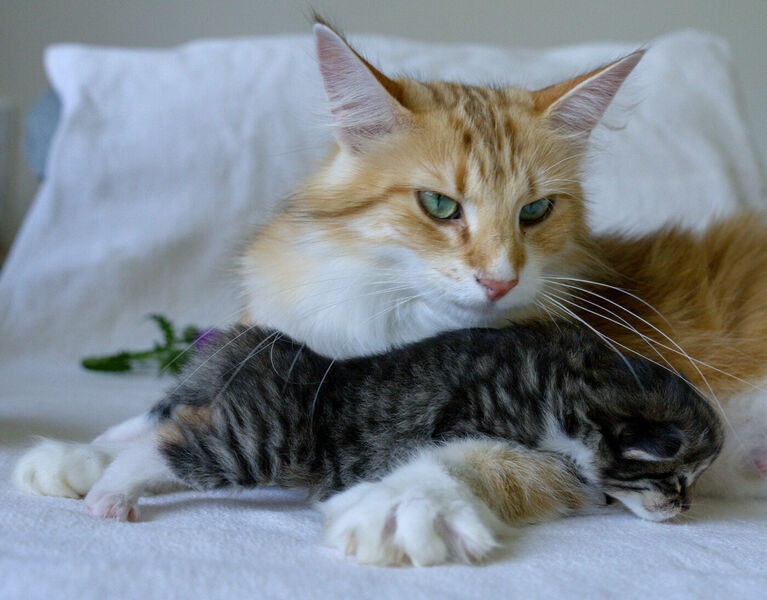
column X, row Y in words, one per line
column 27, row 26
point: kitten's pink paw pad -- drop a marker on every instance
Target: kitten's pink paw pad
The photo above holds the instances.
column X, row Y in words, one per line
column 106, row 505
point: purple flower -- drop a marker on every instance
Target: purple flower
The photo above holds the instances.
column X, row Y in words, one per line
column 206, row 337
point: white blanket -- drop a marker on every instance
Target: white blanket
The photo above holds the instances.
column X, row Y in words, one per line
column 163, row 161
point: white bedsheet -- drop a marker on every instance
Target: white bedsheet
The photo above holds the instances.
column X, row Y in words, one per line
column 267, row 543
column 147, row 196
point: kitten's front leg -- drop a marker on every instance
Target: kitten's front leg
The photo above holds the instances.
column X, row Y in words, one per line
column 450, row 503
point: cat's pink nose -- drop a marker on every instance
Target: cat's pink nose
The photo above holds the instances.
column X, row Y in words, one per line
column 496, row 288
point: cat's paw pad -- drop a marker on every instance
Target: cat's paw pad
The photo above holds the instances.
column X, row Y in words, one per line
column 63, row 469
column 378, row 523
column 108, row 505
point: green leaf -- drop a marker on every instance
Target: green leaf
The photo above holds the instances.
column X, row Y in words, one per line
column 115, row 363
column 173, row 361
column 167, row 329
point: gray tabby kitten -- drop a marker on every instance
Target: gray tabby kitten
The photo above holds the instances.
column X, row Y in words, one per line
column 260, row 409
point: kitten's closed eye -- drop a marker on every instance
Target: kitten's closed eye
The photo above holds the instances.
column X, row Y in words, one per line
column 646, row 441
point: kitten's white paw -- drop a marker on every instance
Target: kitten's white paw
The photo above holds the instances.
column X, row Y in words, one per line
column 64, row 469
column 418, row 514
column 108, row 505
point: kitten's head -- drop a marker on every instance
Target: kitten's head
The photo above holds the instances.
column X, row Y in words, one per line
column 655, row 446
column 456, row 197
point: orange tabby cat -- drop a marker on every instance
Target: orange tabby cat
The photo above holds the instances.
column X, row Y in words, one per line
column 447, row 206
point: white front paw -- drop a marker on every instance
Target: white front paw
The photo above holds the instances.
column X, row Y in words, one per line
column 417, row 515
column 64, row 469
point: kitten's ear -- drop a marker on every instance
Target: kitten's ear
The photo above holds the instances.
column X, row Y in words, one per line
column 363, row 101
column 646, row 441
column 577, row 104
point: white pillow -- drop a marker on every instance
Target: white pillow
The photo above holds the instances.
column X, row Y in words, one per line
column 165, row 159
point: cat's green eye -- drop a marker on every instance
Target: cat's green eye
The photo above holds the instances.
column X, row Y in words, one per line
column 439, row 206
column 535, row 211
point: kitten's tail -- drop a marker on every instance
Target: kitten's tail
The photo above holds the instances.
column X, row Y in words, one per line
column 70, row 469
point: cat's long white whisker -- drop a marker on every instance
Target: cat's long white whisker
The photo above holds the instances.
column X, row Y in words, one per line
column 542, row 306
column 276, row 339
column 604, row 338
column 203, row 363
column 317, row 393
column 649, row 341
column 315, row 310
column 593, row 293
column 243, row 362
column 188, row 347
column 290, row 369
column 623, row 322
column 387, row 290
column 392, row 307
column 679, row 350
column 612, row 287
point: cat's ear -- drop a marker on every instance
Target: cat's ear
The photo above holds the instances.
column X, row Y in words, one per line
column 576, row 105
column 363, row 101
column 647, row 441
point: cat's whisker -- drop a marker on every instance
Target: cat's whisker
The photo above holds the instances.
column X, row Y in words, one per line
column 386, row 310
column 350, row 277
column 650, row 342
column 271, row 352
column 612, row 287
column 611, row 343
column 557, row 281
column 213, row 354
column 190, row 346
column 317, row 393
column 244, row 361
column 315, row 310
column 548, row 312
column 290, row 369
column 605, row 338
column 678, row 350
column 393, row 307
column 623, row 323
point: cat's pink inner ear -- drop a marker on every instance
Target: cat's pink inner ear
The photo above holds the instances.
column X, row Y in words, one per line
column 577, row 104
column 362, row 100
